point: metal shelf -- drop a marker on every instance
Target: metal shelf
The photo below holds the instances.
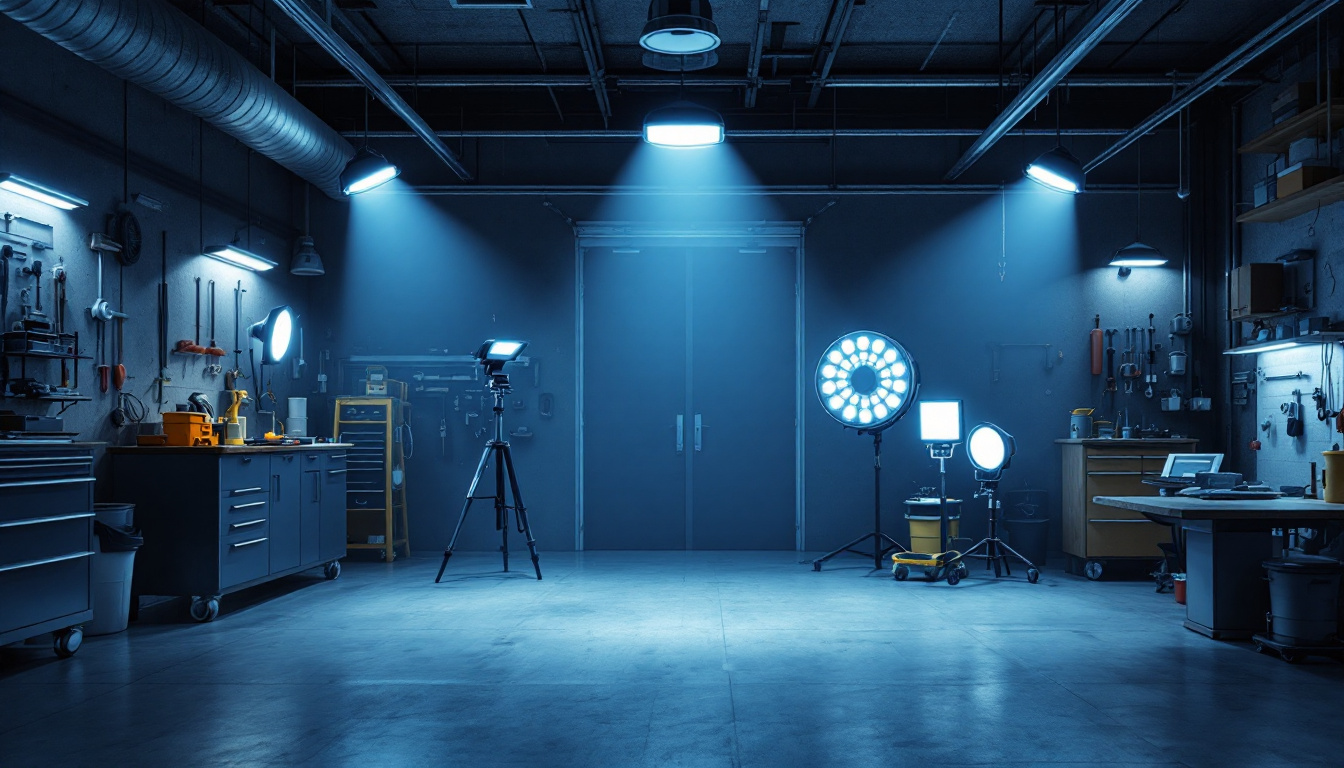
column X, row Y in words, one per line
column 1313, row 122
column 1298, row 203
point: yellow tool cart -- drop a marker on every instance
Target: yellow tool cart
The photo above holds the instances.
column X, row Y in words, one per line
column 378, row 429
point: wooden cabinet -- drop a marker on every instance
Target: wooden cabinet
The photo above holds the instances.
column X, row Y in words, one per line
column 46, row 541
column 1112, row 468
column 1257, row 291
column 219, row 519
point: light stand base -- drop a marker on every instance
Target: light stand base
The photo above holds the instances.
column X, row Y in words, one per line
column 882, row 543
column 993, row 551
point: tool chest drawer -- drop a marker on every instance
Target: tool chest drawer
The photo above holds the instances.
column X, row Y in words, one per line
column 243, row 557
column 40, row 538
column 244, row 476
column 38, row 590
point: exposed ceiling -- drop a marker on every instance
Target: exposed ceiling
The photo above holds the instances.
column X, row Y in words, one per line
column 526, row 70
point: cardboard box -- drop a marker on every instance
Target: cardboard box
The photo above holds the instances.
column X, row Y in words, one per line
column 1298, row 177
column 1301, row 95
column 1303, row 150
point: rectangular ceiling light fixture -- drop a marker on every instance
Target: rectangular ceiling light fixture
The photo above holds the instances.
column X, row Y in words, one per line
column 232, row 254
column 40, row 192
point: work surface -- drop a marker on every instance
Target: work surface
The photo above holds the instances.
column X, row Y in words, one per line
column 623, row 659
column 1227, row 509
column 177, row 450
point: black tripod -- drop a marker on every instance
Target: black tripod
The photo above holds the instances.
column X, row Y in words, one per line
column 882, row 543
column 499, row 449
column 997, row 553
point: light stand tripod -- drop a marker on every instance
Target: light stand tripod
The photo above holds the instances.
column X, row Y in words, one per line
column 882, row 543
column 995, row 552
column 503, row 460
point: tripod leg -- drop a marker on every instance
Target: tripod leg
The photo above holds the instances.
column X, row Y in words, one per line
column 1016, row 554
column 501, row 509
column 462, row 518
column 521, row 511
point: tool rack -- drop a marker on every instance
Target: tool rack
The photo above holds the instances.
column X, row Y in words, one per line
column 32, row 345
column 375, row 503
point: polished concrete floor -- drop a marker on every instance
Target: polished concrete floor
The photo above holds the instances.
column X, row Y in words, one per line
column 654, row 659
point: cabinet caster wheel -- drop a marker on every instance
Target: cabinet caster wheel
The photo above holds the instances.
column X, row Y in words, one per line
column 382, row 555
column 1292, row 657
column 67, row 641
column 204, row 609
column 1259, row 647
column 901, row 573
column 962, row 570
column 1033, row 575
column 930, row 574
column 953, row 578
column 816, row 566
column 332, row 571
column 1092, row 570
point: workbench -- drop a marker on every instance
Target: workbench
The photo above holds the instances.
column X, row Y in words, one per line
column 46, row 540
column 1226, row 540
column 217, row 519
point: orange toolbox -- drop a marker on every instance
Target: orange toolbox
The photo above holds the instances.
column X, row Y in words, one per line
column 188, row 428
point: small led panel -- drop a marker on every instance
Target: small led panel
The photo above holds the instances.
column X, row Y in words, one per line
column 940, row 421
column 866, row 380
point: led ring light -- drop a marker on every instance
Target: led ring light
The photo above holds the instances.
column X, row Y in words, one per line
column 867, row 380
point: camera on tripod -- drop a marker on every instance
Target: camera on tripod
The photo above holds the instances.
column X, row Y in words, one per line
column 493, row 354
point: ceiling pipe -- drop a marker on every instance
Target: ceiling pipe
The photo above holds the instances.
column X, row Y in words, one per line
column 791, row 133
column 792, row 190
column 156, row 47
column 1073, row 52
column 857, row 81
column 831, row 39
column 299, row 12
column 1250, row 50
column 754, row 55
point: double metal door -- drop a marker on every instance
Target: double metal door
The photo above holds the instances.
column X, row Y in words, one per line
column 690, row 373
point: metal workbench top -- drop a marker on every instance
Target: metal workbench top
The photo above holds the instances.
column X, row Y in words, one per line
column 1125, row 442
column 1185, row 508
column 223, row 449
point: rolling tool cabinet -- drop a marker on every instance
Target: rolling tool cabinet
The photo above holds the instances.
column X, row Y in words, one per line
column 376, row 493
column 217, row 519
column 46, row 541
column 1095, row 534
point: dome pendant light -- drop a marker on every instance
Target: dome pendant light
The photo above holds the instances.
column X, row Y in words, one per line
column 367, row 169
column 680, row 27
column 683, row 125
column 1137, row 253
column 1058, row 169
column 306, row 261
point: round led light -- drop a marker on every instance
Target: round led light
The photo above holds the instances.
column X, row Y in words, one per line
column 989, row 448
column 867, row 380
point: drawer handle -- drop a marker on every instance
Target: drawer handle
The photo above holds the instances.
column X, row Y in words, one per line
column 44, row 561
column 1121, row 520
column 311, row 456
column 245, row 491
column 35, row 462
column 35, row 483
column 41, row 520
column 247, row 506
column 1122, row 458
column 248, row 543
column 247, row 459
column 338, row 457
column 248, row 524
column 337, row 471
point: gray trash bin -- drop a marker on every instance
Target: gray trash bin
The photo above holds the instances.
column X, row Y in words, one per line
column 1304, row 599
column 1025, row 522
column 112, row 567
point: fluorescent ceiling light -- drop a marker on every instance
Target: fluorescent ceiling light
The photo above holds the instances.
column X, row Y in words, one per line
column 40, row 192
column 680, row 27
column 239, row 257
column 1058, row 170
column 683, row 125
column 1327, row 337
column 365, row 171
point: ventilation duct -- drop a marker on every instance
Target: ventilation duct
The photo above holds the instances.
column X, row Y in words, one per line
column 156, row 47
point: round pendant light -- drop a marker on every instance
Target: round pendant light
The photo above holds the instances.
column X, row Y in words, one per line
column 365, row 171
column 1057, row 170
column 680, row 27
column 867, row 380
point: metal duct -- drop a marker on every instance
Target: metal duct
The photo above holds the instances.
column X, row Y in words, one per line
column 155, row 46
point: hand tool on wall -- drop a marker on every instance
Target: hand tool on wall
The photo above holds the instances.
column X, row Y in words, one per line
column 101, row 366
column 213, row 349
column 100, row 309
column 1150, row 377
column 119, row 370
column 1110, row 359
column 1095, row 336
column 58, row 286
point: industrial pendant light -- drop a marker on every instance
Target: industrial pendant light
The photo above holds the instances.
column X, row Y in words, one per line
column 683, row 125
column 680, row 27
column 1057, row 169
column 1137, row 253
column 306, row 261
column 367, row 169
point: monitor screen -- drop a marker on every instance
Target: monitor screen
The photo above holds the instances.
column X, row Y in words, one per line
column 1190, row 464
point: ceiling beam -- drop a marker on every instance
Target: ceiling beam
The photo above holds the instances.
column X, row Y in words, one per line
column 831, row 37
column 1258, row 45
column 334, row 44
column 1073, row 52
column 336, row 14
column 787, row 133
column 590, row 43
column 856, row 81
column 754, row 57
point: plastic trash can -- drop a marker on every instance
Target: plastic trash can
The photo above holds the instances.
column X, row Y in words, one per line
column 1029, row 536
column 1304, row 599
column 112, row 569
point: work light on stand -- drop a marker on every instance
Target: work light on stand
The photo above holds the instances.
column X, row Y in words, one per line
column 991, row 450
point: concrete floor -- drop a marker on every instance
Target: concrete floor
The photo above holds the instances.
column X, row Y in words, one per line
column 653, row 659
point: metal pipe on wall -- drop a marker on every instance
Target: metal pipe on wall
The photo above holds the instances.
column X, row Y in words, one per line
column 822, row 190
column 155, row 46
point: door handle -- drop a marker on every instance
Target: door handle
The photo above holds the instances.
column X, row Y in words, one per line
column 681, row 433
column 698, row 429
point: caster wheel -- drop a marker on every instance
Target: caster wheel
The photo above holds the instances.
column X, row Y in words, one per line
column 1292, row 657
column 204, row 609
column 1092, row 570
column 1033, row 575
column 333, row 570
column 901, row 573
column 816, row 566
column 953, row 578
column 962, row 570
column 1259, row 647
column 931, row 574
column 382, row 555
column 67, row 641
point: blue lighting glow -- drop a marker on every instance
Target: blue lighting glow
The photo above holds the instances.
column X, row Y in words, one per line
column 862, row 367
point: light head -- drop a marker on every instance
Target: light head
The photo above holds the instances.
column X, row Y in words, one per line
column 274, row 333
column 867, row 381
column 940, row 426
column 990, row 450
column 494, row 353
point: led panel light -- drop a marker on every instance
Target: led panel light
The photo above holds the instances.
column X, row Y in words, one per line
column 866, row 380
column 41, row 192
column 990, row 449
column 365, row 171
column 239, row 257
column 680, row 27
column 501, row 350
column 1058, row 170
column 940, row 421
column 683, row 125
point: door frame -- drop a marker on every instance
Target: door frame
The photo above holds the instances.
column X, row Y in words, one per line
column 622, row 234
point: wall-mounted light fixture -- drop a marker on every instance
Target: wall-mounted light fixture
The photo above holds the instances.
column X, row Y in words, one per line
column 274, row 333
column 41, row 192
column 239, row 257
